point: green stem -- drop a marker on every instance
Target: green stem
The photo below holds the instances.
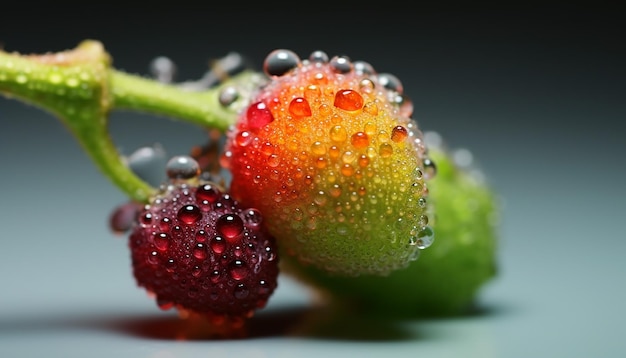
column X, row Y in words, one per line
column 80, row 88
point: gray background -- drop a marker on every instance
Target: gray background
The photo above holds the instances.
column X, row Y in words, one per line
column 538, row 96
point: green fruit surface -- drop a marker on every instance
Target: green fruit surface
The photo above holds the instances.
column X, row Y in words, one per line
column 447, row 276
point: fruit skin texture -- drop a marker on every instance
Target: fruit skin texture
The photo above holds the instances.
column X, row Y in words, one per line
column 198, row 250
column 446, row 279
column 335, row 165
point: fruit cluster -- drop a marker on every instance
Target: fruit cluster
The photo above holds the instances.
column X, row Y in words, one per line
column 326, row 169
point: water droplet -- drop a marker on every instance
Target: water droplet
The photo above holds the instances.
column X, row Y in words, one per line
column 161, row 241
column 202, row 236
column 230, row 226
column 399, row 133
column 228, row 96
column 182, row 167
column 430, row 169
column 318, row 148
column 264, row 287
column 273, row 160
column 199, row 251
column 165, row 224
column 390, row 82
column 318, row 57
column 243, row 138
column 146, row 219
column 269, row 253
column 299, row 107
column 347, row 170
column 280, row 61
column 241, row 291
column 163, row 69
column 363, row 68
column 238, row 270
column 425, row 237
column 153, row 258
column 363, row 161
column 170, row 265
column 189, row 214
column 218, row 244
column 338, row 134
column 348, row 100
column 385, row 150
column 341, row 64
column 196, row 271
column 258, row 115
column 253, row 216
column 360, row 140
column 207, row 192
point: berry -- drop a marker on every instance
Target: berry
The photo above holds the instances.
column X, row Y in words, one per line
column 198, row 250
column 448, row 276
column 328, row 152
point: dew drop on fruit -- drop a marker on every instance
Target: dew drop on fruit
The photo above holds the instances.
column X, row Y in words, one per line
column 430, row 169
column 243, row 138
column 318, row 57
column 280, row 61
column 253, row 216
column 182, row 167
column 161, row 241
column 299, row 107
column 363, row 68
column 348, row 100
column 258, row 116
column 165, row 224
column 201, row 236
column 199, row 251
column 360, row 140
column 270, row 255
column 153, row 258
column 146, row 219
column 425, row 237
column 207, row 192
column 241, row 291
column 399, row 133
column 189, row 214
column 341, row 64
column 170, row 265
column 215, row 276
column 218, row 244
column 385, row 150
column 228, row 96
column 238, row 270
column 338, row 133
column 231, row 226
column 390, row 82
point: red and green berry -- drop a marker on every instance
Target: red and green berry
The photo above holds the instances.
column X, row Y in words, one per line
column 328, row 152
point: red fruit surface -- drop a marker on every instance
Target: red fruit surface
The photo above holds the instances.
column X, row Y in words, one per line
column 198, row 250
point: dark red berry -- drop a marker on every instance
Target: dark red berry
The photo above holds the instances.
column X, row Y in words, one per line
column 198, row 250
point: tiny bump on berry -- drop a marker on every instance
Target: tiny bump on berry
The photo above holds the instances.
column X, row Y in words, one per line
column 327, row 150
column 197, row 249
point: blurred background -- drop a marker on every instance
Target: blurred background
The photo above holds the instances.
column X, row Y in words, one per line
column 537, row 95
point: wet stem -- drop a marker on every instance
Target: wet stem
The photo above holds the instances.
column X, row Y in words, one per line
column 80, row 88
